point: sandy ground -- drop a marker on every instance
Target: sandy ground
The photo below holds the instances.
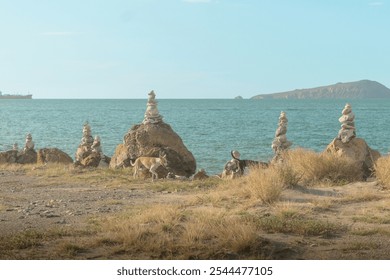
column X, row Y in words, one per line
column 30, row 201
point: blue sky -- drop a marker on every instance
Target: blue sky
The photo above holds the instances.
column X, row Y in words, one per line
column 189, row 48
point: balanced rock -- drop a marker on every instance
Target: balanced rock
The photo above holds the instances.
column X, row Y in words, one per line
column 347, row 131
column 25, row 156
column 28, row 155
column 151, row 138
column 85, row 147
column 357, row 150
column 280, row 142
column 53, row 155
column 98, row 149
column 90, row 152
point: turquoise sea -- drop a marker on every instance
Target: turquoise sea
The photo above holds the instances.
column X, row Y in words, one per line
column 210, row 128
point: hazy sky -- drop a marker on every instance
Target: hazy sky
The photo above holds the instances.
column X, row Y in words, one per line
column 189, row 48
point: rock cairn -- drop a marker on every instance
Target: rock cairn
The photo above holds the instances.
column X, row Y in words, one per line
column 15, row 147
column 85, row 147
column 280, row 143
column 97, row 148
column 347, row 131
column 29, row 145
column 151, row 114
column 90, row 152
column 27, row 155
column 153, row 137
column 347, row 145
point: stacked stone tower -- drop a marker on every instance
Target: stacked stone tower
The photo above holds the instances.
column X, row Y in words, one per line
column 347, row 120
column 280, row 143
column 85, row 147
column 151, row 114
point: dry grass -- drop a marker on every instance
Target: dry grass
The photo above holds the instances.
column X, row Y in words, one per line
column 297, row 224
column 382, row 171
column 23, row 240
column 211, row 219
column 264, row 185
column 373, row 219
column 172, row 231
column 318, row 168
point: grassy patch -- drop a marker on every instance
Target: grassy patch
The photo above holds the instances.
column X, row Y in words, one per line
column 361, row 246
column 316, row 168
column 293, row 223
column 371, row 219
column 22, row 240
column 70, row 249
column 264, row 185
column 172, row 231
column 358, row 197
column 178, row 185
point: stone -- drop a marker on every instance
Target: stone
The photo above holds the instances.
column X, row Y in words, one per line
column 151, row 138
column 347, row 131
column 89, row 153
column 97, row 148
column 53, row 155
column 280, row 143
column 8, row 156
column 27, row 157
column 200, row 175
column 84, row 149
column 29, row 145
column 357, row 150
column 121, row 158
column 92, row 160
column 151, row 114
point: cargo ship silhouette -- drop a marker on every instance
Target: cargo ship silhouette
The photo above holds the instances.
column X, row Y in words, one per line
column 15, row 96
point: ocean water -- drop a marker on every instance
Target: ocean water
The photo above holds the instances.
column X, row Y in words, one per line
column 210, row 128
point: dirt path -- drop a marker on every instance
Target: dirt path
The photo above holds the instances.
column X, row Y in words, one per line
column 29, row 202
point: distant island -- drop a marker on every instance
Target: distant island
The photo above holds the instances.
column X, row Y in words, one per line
column 352, row 90
column 15, row 96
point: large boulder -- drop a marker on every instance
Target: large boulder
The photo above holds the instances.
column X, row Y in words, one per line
column 153, row 139
column 8, row 156
column 358, row 151
column 28, row 156
column 53, row 155
column 121, row 157
column 92, row 160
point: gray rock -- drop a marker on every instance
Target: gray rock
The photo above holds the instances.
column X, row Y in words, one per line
column 152, row 138
column 53, row 155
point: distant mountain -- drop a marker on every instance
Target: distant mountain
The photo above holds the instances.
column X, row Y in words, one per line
column 352, row 90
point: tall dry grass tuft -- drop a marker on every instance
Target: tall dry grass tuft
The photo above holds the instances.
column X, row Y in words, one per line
column 150, row 230
column 314, row 168
column 215, row 228
column 171, row 231
column 268, row 184
column 382, row 170
column 261, row 184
